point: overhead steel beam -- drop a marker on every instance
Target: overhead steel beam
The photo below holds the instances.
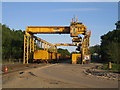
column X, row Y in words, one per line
column 48, row 29
column 65, row 44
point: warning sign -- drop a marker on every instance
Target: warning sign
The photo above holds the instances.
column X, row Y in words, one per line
column 86, row 57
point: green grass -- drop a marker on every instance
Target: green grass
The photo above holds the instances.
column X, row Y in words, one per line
column 115, row 67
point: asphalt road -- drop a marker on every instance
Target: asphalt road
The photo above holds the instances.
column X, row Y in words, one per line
column 56, row 76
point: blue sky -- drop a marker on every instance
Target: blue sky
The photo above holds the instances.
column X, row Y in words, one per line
column 99, row 17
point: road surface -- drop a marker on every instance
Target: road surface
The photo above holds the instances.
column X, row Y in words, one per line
column 56, row 76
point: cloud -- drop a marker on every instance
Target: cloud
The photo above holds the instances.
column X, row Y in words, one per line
column 76, row 9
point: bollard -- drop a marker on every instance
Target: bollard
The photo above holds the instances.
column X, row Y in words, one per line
column 109, row 65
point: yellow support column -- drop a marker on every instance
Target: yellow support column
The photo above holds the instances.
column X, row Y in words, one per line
column 33, row 49
column 25, row 45
column 31, row 44
column 26, row 49
column 85, row 47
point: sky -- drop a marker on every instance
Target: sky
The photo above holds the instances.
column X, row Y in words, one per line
column 59, row 0
column 99, row 17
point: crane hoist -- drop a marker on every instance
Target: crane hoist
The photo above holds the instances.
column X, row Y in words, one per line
column 75, row 29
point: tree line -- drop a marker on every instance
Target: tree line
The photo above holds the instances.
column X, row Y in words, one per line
column 109, row 49
column 12, row 43
column 110, row 46
column 63, row 51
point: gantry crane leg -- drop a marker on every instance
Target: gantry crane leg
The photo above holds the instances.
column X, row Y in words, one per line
column 29, row 48
column 26, row 49
column 31, row 44
column 85, row 48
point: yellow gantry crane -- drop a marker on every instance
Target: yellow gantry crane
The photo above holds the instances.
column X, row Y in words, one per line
column 75, row 29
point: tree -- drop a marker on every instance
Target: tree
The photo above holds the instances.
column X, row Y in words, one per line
column 63, row 51
column 95, row 49
column 12, row 43
column 110, row 46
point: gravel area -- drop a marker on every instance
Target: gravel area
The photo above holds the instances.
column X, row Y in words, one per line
column 110, row 75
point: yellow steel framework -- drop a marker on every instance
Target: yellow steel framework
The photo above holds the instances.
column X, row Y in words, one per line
column 75, row 29
column 30, row 46
column 85, row 45
column 77, row 39
column 65, row 44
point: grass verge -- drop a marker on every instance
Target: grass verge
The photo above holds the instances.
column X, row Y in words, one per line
column 115, row 67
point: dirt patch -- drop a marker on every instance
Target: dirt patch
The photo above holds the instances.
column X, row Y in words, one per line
column 102, row 74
